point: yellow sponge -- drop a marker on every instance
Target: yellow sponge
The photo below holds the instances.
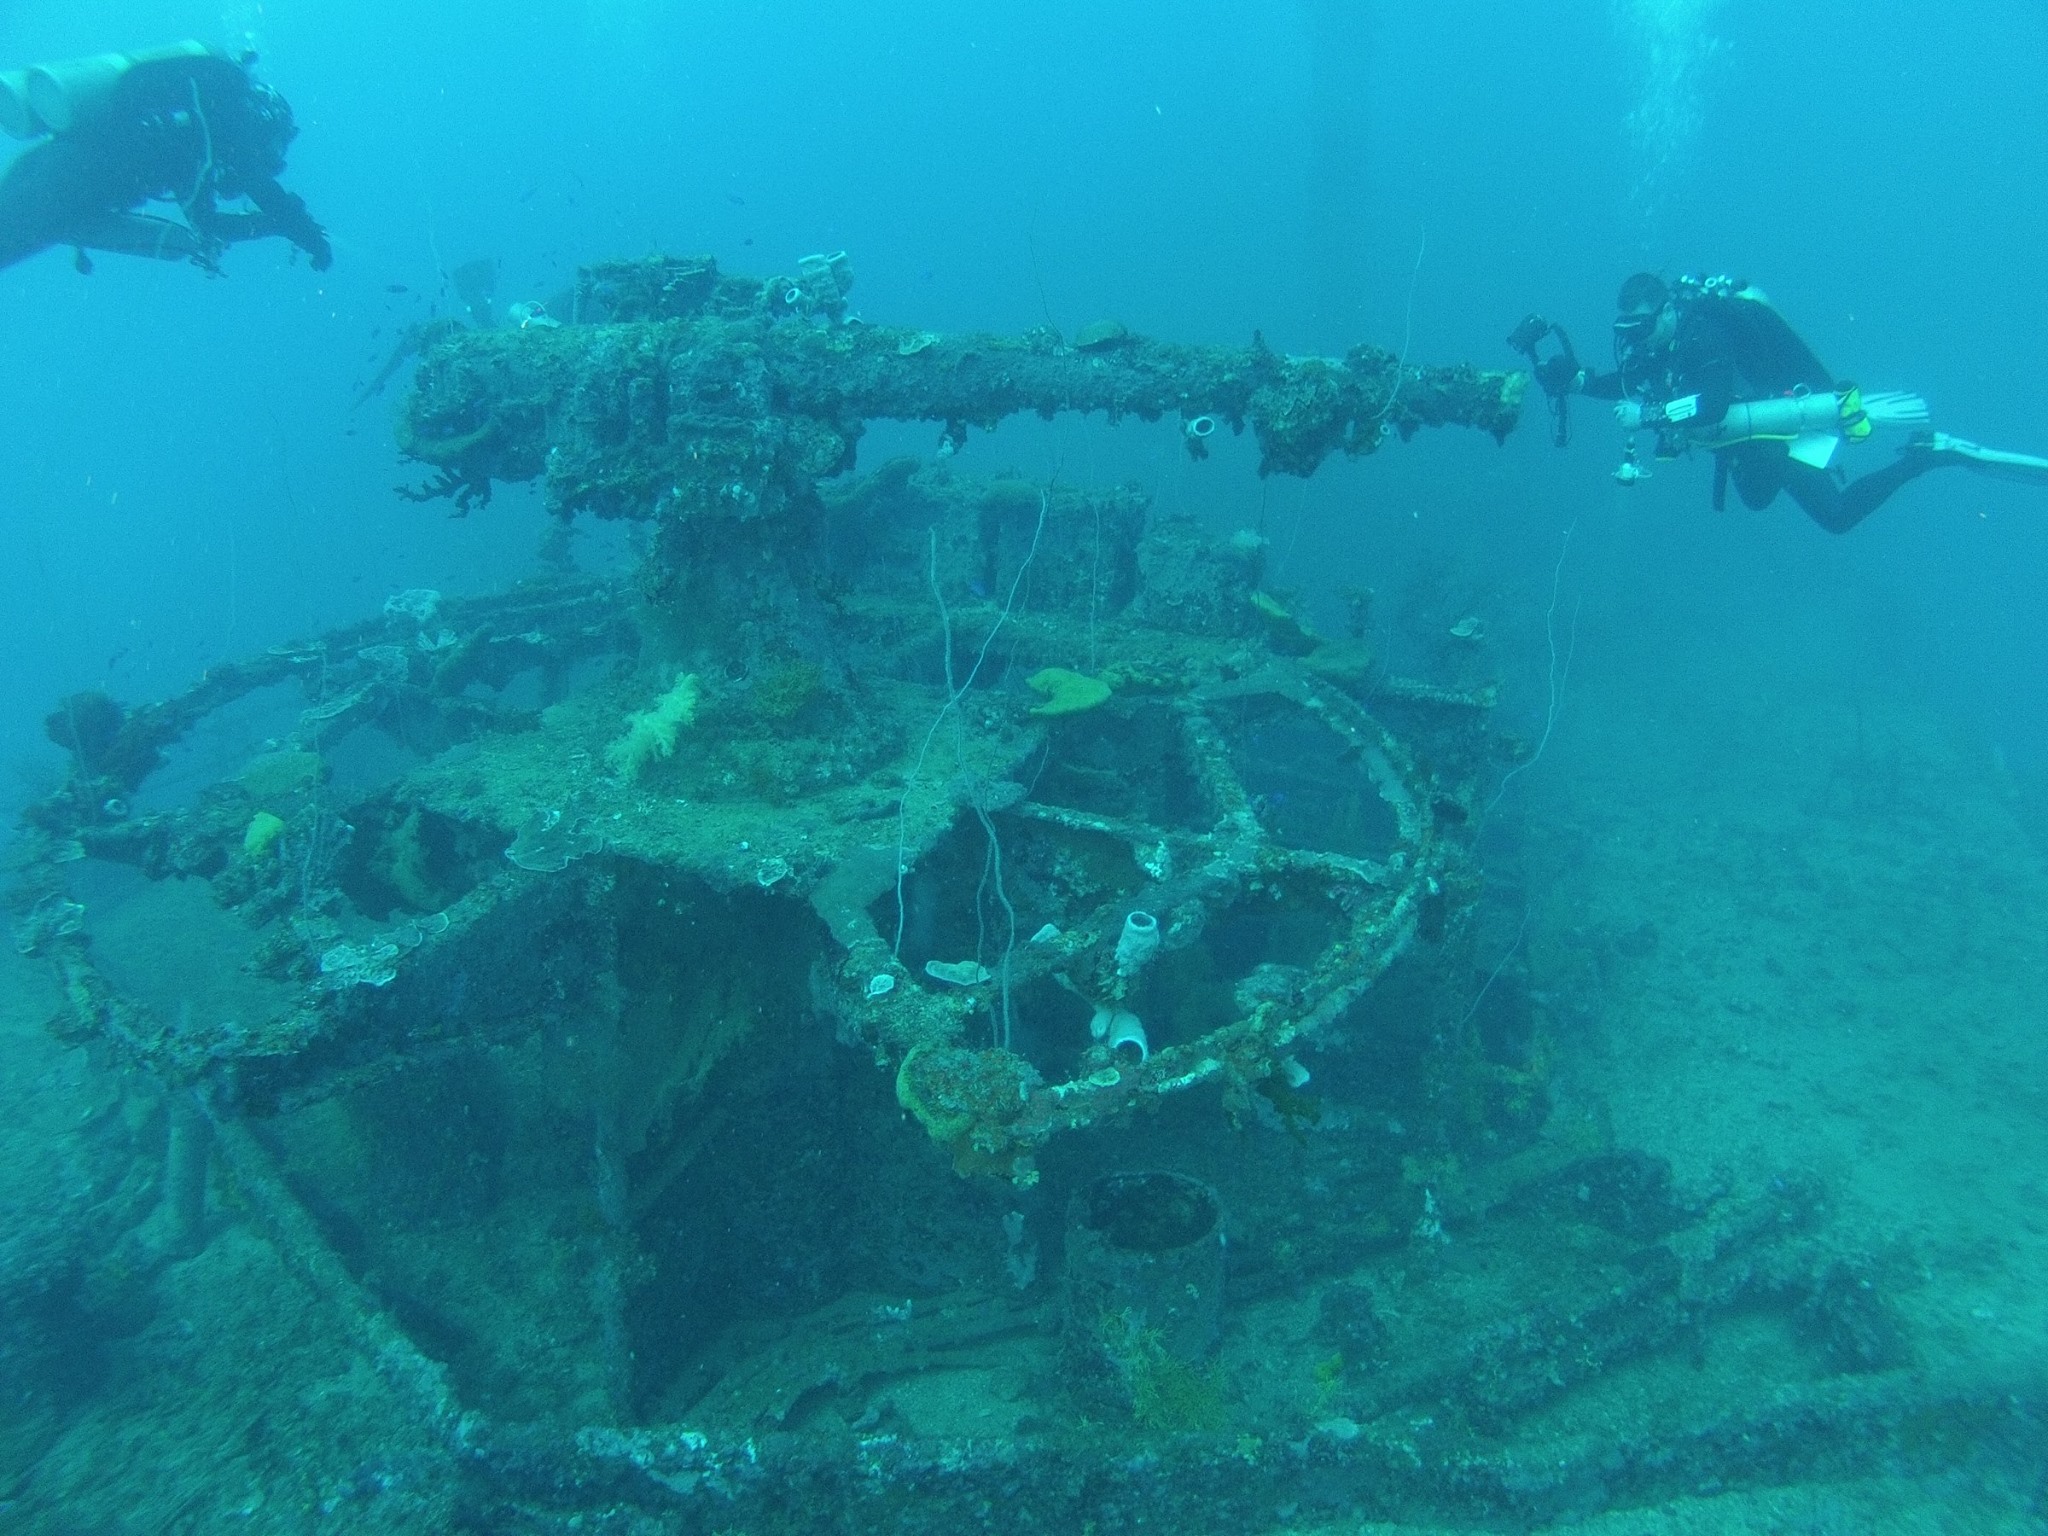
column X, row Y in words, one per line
column 262, row 832
column 652, row 733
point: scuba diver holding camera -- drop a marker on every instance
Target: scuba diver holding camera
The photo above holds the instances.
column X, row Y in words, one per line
column 182, row 124
column 1709, row 363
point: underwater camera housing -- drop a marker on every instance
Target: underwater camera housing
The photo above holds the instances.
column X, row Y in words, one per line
column 1554, row 374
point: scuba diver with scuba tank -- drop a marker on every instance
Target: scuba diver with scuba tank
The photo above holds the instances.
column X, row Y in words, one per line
column 1709, row 363
column 183, row 125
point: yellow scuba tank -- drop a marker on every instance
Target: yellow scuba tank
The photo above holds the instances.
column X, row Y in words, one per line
column 1812, row 425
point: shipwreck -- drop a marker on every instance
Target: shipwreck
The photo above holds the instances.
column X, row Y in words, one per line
column 923, row 983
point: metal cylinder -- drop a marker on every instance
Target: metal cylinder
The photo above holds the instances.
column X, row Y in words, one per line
column 18, row 119
column 188, row 1149
column 61, row 94
column 66, row 93
column 1145, row 1266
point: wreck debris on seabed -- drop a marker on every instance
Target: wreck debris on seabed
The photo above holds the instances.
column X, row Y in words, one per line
column 600, row 988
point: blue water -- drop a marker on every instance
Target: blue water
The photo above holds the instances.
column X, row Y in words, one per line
column 186, row 482
column 189, row 484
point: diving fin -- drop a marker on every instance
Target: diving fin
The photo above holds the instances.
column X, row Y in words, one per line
column 1895, row 408
column 2024, row 467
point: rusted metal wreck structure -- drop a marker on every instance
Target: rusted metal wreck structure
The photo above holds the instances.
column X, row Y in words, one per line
column 776, row 1040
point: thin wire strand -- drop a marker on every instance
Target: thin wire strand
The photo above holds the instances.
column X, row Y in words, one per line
column 1557, row 680
column 954, row 696
column 995, row 849
column 1494, row 975
column 1407, row 335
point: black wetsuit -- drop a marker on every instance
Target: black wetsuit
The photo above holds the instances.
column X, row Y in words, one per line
column 193, row 130
column 1730, row 346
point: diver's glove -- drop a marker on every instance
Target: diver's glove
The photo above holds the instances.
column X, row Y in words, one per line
column 321, row 249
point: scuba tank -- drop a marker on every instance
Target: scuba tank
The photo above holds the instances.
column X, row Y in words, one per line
column 1812, row 424
column 55, row 98
column 18, row 119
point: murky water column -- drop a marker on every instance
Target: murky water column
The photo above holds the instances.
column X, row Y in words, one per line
column 1340, row 209
column 1672, row 47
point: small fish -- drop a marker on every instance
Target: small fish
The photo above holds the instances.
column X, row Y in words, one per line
column 735, row 199
column 396, row 288
column 412, row 341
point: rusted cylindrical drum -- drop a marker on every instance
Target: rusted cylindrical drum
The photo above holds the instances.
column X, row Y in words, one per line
column 1145, row 1260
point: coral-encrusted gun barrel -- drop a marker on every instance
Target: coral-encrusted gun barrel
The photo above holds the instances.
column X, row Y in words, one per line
column 676, row 389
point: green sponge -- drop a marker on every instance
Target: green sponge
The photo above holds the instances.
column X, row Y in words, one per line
column 1066, row 693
